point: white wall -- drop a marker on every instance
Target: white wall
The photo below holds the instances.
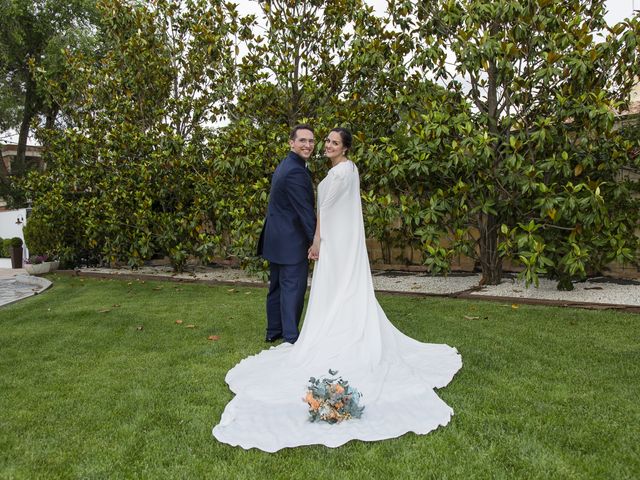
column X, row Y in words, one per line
column 9, row 228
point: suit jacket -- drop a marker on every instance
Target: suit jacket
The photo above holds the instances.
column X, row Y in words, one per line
column 290, row 223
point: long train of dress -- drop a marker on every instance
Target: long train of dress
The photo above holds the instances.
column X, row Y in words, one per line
column 344, row 329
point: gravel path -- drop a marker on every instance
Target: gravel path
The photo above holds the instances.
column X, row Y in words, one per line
column 599, row 290
column 594, row 290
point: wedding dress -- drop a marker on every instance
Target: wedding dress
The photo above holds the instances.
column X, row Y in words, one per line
column 344, row 329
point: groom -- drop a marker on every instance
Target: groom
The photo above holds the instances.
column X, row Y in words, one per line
column 286, row 236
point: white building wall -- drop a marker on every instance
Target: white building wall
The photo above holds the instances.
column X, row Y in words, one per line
column 11, row 223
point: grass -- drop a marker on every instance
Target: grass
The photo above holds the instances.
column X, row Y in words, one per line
column 98, row 381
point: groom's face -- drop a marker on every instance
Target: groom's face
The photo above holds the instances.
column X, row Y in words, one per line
column 303, row 143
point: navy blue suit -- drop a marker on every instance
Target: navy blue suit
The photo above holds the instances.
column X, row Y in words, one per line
column 285, row 240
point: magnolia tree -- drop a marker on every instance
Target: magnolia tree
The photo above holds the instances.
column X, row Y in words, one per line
column 480, row 128
column 531, row 172
column 324, row 62
column 140, row 171
column 289, row 73
column 333, row 63
column 122, row 174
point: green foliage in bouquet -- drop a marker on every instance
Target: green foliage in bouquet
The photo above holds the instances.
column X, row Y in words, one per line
column 332, row 399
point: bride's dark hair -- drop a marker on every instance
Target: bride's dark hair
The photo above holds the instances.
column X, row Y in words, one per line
column 345, row 136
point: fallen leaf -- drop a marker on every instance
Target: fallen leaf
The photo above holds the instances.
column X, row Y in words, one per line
column 104, row 310
column 247, row 293
column 129, row 283
column 191, row 326
column 140, row 328
column 231, row 290
column 213, row 337
column 469, row 317
column 115, row 305
column 515, row 306
column 157, row 288
column 179, row 322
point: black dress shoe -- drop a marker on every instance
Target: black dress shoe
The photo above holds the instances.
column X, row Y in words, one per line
column 272, row 338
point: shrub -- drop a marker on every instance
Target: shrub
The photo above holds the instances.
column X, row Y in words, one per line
column 39, row 235
column 56, row 231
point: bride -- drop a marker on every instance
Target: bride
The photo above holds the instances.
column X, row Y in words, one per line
column 344, row 329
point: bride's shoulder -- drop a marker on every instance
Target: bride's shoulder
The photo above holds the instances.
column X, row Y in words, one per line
column 344, row 169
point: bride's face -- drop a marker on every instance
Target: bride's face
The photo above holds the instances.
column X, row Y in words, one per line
column 333, row 146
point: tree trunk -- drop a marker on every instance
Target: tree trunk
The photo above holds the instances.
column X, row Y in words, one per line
column 490, row 261
column 4, row 172
column 385, row 249
column 19, row 166
column 52, row 113
column 50, row 124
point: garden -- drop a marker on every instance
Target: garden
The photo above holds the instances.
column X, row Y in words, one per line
column 106, row 378
column 499, row 133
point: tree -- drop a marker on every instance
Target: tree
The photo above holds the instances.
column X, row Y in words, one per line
column 532, row 171
column 32, row 33
column 300, row 66
column 126, row 168
column 294, row 67
column 386, row 94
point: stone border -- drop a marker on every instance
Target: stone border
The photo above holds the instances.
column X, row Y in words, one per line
column 469, row 295
column 42, row 284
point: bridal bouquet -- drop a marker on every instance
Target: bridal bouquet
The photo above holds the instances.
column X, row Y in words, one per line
column 332, row 399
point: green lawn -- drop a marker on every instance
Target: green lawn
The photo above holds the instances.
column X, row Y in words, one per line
column 97, row 380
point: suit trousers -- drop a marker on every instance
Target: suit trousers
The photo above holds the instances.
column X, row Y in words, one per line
column 287, row 286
